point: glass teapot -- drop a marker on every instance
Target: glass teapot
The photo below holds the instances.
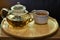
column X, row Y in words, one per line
column 17, row 16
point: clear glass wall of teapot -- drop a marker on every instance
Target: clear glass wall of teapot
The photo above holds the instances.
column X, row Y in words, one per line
column 16, row 9
column 18, row 14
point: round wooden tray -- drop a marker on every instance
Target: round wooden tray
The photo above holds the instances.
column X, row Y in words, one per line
column 32, row 29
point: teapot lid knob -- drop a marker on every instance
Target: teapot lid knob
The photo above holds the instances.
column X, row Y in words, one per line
column 18, row 6
column 18, row 2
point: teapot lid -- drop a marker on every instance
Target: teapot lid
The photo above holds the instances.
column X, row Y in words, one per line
column 18, row 6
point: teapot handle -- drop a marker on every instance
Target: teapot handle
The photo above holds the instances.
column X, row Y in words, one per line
column 4, row 12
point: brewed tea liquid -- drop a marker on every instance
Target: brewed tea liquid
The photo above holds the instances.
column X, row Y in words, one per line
column 41, row 13
column 16, row 21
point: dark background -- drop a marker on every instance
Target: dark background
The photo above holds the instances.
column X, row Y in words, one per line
column 53, row 6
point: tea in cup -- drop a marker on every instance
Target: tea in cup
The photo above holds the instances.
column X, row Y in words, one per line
column 41, row 16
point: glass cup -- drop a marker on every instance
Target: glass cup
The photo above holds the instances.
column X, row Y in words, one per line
column 41, row 16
